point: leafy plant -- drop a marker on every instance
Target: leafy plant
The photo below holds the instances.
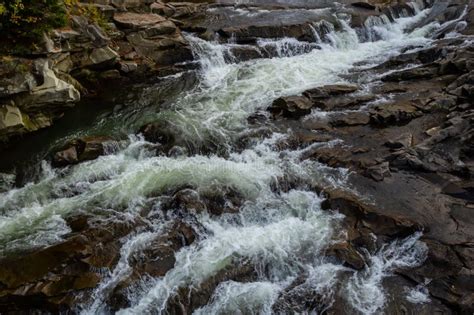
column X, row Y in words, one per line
column 74, row 7
column 23, row 22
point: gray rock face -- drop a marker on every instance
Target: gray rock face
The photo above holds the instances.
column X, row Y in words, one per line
column 101, row 58
column 33, row 96
column 53, row 91
column 10, row 118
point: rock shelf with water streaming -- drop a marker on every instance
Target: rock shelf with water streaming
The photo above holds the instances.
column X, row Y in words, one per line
column 311, row 157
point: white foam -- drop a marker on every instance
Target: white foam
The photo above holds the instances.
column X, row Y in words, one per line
column 364, row 290
column 418, row 295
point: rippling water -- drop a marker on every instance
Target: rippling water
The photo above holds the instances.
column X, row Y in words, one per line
column 281, row 233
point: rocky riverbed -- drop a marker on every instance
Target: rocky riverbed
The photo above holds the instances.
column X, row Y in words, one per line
column 256, row 157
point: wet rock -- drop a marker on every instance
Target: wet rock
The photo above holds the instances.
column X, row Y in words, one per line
column 366, row 217
column 330, row 90
column 159, row 132
column 190, row 298
column 301, row 297
column 159, row 256
column 403, row 141
column 412, row 74
column 333, row 156
column 350, row 119
column 342, row 102
column 398, row 289
column 188, row 199
column 304, row 137
column 66, row 157
column 59, row 277
column 455, row 291
column 250, row 34
column 216, row 202
column 245, row 53
column 348, row 254
column 291, row 106
column 378, row 172
column 394, row 113
column 38, row 264
column 82, row 149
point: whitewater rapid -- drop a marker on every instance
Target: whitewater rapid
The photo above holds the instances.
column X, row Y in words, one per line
column 282, row 234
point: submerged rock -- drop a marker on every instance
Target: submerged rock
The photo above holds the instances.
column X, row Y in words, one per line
column 82, row 149
column 159, row 132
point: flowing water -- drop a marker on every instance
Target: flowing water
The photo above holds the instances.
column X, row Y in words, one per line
column 282, row 233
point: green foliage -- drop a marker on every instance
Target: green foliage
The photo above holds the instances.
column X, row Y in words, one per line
column 23, row 22
column 74, row 7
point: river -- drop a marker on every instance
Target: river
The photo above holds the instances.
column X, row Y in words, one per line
column 281, row 232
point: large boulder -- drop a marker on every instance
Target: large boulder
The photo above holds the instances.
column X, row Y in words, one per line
column 53, row 91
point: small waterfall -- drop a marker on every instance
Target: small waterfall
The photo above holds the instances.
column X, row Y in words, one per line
column 285, row 47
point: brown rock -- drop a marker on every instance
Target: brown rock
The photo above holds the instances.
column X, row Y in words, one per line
column 330, row 90
column 403, row 141
column 412, row 74
column 66, row 157
column 291, row 106
column 367, row 217
column 378, row 172
column 137, row 20
column 189, row 299
column 350, row 119
column 348, row 254
column 394, row 113
column 79, row 150
column 162, row 9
